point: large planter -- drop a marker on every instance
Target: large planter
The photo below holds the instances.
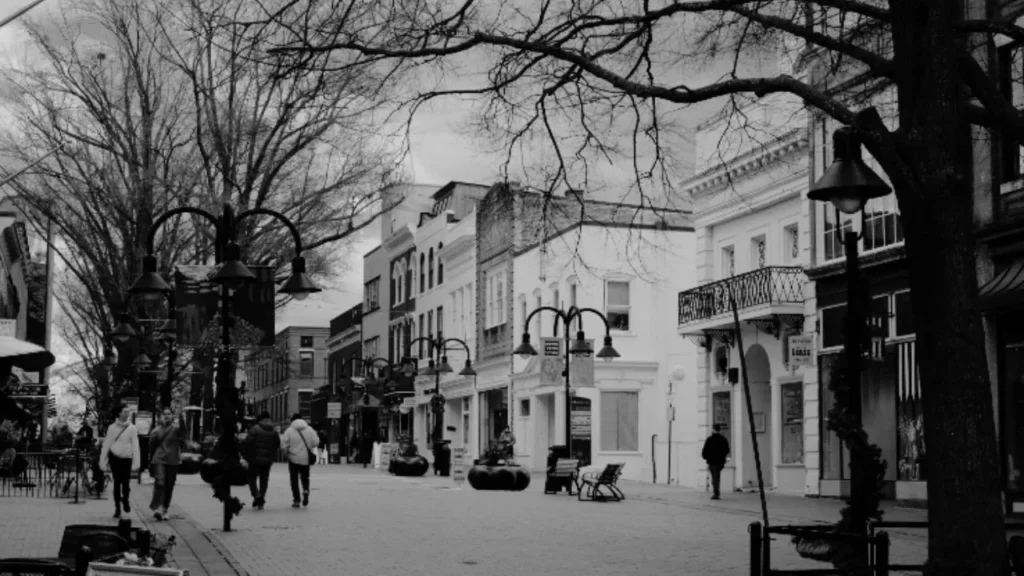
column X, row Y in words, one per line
column 500, row 477
column 408, row 465
column 190, row 463
column 210, row 469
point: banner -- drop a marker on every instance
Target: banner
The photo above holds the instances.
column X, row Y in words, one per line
column 198, row 317
column 552, row 362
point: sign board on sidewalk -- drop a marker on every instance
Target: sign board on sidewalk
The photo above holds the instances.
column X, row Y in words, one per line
column 552, row 362
column 459, row 465
column 385, row 456
column 143, row 422
column 334, row 409
column 801, row 350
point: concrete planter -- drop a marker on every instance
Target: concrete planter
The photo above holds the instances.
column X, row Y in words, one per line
column 510, row 477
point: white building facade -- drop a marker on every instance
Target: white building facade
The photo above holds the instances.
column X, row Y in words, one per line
column 752, row 223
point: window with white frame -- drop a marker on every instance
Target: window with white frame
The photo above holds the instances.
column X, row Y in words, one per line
column 371, row 347
column 617, row 304
column 791, row 244
column 495, row 299
column 620, row 421
column 728, row 265
column 758, row 252
column 371, row 295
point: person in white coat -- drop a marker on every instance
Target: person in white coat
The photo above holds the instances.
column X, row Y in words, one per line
column 299, row 442
column 120, row 456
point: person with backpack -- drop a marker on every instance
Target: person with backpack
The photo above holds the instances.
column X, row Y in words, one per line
column 299, row 441
column 120, row 455
column 260, row 446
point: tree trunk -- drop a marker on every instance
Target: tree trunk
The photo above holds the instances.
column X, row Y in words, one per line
column 966, row 535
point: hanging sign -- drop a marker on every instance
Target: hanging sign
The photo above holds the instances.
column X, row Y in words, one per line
column 459, row 465
column 334, row 409
column 801, row 351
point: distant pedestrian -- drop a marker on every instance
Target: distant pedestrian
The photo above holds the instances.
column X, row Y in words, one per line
column 716, row 450
column 299, row 441
column 164, row 458
column 322, row 437
column 260, row 446
column 120, row 455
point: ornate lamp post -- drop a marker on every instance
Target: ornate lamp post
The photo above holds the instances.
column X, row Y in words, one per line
column 231, row 275
column 437, row 351
column 848, row 184
column 577, row 347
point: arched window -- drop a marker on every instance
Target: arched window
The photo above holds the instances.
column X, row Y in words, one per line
column 430, row 269
column 423, row 267
column 440, row 264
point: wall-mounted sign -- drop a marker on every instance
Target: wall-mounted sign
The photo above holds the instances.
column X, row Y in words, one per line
column 801, row 350
column 8, row 327
column 334, row 409
column 27, row 390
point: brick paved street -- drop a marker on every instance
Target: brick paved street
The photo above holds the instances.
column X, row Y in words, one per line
column 364, row 522
column 33, row 527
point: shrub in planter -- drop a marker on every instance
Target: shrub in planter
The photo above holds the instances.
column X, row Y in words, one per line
column 408, row 465
column 210, row 468
column 493, row 473
column 190, row 462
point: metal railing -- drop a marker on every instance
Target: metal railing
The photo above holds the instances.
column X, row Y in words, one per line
column 877, row 545
column 45, row 475
column 1009, row 525
column 770, row 285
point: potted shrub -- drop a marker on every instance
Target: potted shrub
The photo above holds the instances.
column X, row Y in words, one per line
column 408, row 461
column 191, row 458
column 493, row 472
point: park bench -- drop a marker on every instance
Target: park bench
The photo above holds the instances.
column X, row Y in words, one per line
column 563, row 474
column 602, row 486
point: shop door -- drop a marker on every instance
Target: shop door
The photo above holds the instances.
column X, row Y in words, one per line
column 1012, row 381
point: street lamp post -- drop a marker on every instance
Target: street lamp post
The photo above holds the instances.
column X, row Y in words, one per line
column 166, row 333
column 231, row 275
column 848, row 183
column 578, row 347
column 437, row 348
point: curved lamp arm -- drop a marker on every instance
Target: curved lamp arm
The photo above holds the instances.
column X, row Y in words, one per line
column 280, row 217
column 561, row 315
column 430, row 350
column 578, row 313
column 465, row 346
column 151, row 239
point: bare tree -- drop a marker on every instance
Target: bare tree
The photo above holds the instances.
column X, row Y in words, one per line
column 592, row 59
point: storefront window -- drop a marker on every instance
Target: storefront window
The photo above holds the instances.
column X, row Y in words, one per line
column 834, row 456
column 620, row 413
column 721, row 410
column 792, row 423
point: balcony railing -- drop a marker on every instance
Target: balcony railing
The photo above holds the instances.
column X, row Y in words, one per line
column 770, row 285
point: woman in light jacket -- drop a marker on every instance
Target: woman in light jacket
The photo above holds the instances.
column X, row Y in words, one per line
column 120, row 456
column 299, row 441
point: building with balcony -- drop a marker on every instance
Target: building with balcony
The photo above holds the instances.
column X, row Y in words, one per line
column 566, row 250
column 284, row 379
column 451, row 219
column 752, row 243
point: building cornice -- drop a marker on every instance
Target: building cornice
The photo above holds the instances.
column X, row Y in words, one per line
column 747, row 165
column 770, row 194
column 459, row 246
column 400, row 238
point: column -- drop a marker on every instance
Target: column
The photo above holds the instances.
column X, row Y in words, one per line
column 560, row 400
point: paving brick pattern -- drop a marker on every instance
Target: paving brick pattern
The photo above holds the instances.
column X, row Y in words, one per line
column 33, row 527
column 363, row 522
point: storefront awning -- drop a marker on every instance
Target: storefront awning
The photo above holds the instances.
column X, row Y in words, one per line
column 1005, row 290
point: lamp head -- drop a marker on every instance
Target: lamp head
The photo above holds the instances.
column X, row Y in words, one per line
column 848, row 183
column 525, row 350
column 468, row 370
column 429, row 370
column 233, row 273
column 580, row 346
column 142, row 360
column 124, row 331
column 149, row 285
column 409, row 368
column 109, row 361
column 444, row 367
column 299, row 284
column 607, row 353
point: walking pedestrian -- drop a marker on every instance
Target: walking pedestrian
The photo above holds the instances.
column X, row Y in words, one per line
column 120, row 456
column 164, row 458
column 322, row 437
column 299, row 441
column 260, row 446
column 716, row 450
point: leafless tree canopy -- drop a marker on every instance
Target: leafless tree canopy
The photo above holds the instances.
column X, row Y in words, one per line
column 144, row 107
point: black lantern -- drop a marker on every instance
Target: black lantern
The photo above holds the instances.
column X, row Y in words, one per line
column 848, row 183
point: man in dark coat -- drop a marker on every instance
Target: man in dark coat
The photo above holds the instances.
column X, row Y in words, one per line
column 716, row 450
column 261, row 446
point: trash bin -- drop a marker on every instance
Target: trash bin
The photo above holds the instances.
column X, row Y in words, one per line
column 442, row 457
column 555, row 453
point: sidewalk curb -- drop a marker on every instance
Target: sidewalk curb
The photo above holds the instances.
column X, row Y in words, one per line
column 191, row 535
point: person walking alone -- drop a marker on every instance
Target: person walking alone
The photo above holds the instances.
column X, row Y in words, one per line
column 164, row 458
column 299, row 441
column 261, row 445
column 716, row 450
column 120, row 456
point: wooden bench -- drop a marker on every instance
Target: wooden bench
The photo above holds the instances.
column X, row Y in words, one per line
column 563, row 474
column 602, row 486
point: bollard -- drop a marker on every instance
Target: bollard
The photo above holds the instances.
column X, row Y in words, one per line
column 882, row 554
column 78, row 472
column 124, row 528
column 755, row 548
column 82, row 559
column 145, row 539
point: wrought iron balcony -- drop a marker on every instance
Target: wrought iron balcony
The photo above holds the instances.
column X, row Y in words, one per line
column 772, row 285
